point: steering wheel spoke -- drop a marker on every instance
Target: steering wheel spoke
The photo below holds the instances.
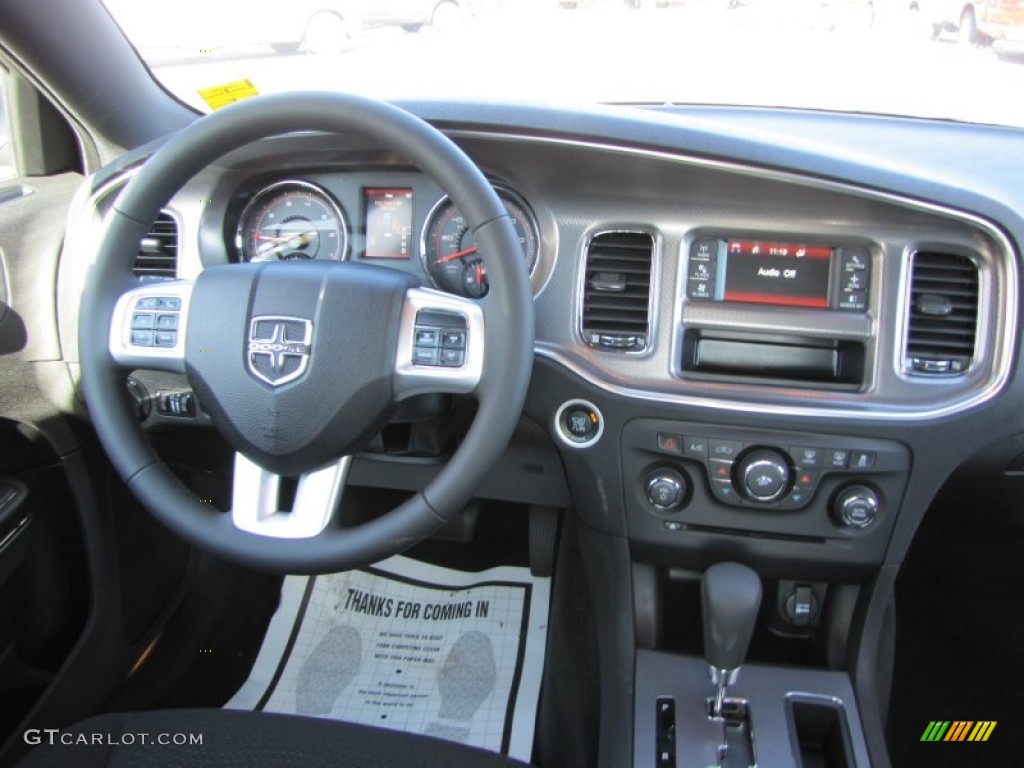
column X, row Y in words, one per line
column 148, row 326
column 440, row 344
column 256, row 500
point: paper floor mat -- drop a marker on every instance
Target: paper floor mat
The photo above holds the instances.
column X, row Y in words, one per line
column 409, row 646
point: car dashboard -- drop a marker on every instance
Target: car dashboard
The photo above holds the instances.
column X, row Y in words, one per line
column 759, row 336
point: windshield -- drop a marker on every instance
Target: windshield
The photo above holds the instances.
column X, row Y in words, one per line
column 924, row 58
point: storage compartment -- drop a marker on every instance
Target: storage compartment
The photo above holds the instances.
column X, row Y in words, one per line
column 820, row 733
column 774, row 358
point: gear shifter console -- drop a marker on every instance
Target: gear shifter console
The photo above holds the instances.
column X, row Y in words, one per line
column 730, row 599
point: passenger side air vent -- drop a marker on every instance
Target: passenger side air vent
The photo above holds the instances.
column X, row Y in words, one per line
column 617, row 291
column 158, row 251
column 943, row 314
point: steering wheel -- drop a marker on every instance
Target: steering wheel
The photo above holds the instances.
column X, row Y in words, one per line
column 299, row 364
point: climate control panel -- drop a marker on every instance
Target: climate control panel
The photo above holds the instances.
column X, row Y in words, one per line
column 808, row 489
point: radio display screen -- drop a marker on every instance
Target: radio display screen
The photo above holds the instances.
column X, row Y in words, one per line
column 788, row 274
column 777, row 273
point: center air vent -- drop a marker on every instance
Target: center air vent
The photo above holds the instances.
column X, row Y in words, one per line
column 617, row 291
column 158, row 251
column 943, row 319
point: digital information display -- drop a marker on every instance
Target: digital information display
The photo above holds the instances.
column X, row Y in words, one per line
column 389, row 231
column 779, row 273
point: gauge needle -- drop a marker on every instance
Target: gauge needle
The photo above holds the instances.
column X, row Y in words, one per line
column 456, row 255
column 296, row 240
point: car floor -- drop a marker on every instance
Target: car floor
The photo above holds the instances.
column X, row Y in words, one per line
column 959, row 625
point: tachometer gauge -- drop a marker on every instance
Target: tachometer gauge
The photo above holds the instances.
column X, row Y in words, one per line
column 449, row 250
column 292, row 220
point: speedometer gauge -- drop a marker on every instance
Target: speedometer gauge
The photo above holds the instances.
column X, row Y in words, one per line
column 292, row 220
column 449, row 249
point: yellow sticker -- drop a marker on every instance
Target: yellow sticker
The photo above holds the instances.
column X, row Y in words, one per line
column 222, row 95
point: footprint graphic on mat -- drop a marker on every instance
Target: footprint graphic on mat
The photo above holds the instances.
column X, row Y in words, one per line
column 328, row 670
column 466, row 679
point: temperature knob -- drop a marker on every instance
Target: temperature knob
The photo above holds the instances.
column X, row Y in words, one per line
column 763, row 475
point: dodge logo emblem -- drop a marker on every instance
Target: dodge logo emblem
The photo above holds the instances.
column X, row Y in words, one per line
column 279, row 348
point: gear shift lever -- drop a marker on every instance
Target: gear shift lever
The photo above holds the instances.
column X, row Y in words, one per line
column 730, row 597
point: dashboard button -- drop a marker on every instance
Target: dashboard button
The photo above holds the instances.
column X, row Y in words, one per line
column 837, row 458
column 724, row 491
column 700, row 290
column 862, row 459
column 695, row 447
column 806, row 480
column 581, row 423
column 719, row 469
column 701, row 270
column 724, row 449
column 670, row 443
column 808, row 458
column 704, row 250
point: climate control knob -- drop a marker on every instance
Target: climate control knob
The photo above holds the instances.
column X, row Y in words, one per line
column 856, row 507
column 665, row 489
column 763, row 475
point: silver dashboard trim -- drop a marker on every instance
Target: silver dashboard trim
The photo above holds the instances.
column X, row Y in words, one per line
column 1002, row 337
column 1001, row 340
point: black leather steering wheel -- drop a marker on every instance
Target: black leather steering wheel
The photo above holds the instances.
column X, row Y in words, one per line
column 299, row 364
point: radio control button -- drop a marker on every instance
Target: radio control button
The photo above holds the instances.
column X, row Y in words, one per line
column 704, row 250
column 701, row 270
column 700, row 289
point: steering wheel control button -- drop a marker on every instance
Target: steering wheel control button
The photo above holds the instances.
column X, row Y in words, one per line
column 169, row 304
column 665, row 489
column 425, row 356
column 579, row 424
column 453, row 339
column 856, row 507
column 426, row 337
column 763, row 476
column 439, row 340
column 167, row 322
column 808, row 458
column 670, row 443
column 142, row 338
column 453, row 358
column 148, row 303
column 143, row 321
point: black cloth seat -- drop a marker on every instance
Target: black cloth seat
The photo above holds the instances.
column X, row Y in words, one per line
column 235, row 739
